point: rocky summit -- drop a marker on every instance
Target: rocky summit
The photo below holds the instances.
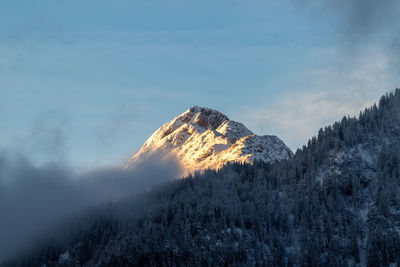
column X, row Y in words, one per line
column 203, row 138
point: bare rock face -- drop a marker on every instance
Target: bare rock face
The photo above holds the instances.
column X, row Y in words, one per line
column 203, row 138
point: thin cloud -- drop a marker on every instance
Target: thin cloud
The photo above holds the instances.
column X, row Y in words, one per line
column 358, row 19
column 336, row 92
column 297, row 118
column 360, row 23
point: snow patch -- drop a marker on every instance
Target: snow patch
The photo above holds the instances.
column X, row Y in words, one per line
column 64, row 257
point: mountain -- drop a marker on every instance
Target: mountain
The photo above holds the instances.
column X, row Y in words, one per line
column 336, row 202
column 202, row 138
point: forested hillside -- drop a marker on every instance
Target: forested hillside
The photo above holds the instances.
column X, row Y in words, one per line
column 335, row 203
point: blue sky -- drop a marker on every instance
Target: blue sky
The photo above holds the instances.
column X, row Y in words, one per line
column 86, row 82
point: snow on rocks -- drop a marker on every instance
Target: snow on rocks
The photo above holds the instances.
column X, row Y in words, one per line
column 202, row 138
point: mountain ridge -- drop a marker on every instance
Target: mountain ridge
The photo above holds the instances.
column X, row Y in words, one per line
column 203, row 138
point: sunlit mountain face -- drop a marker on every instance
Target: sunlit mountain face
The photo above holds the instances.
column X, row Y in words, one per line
column 203, row 138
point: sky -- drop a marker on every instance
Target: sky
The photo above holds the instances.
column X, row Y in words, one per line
column 86, row 83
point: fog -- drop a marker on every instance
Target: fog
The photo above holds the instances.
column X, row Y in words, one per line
column 36, row 198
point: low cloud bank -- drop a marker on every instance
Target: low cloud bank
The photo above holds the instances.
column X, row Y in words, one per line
column 34, row 199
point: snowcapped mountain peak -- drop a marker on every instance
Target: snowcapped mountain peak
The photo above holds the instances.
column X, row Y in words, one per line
column 202, row 138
